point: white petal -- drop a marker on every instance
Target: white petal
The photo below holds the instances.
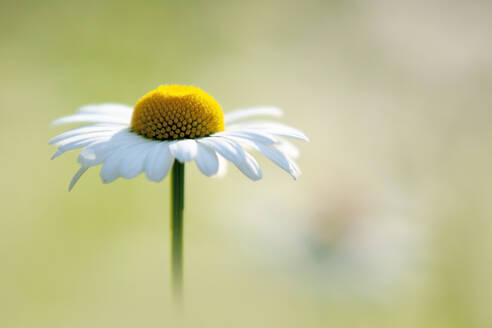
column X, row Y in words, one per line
column 275, row 156
column 223, row 166
column 83, row 131
column 288, row 148
column 250, row 167
column 232, row 151
column 77, row 144
column 158, row 162
column 184, row 150
column 274, row 128
column 280, row 159
column 206, row 160
column 249, row 134
column 132, row 164
column 56, row 154
column 121, row 110
column 98, row 151
column 73, row 139
column 80, row 141
column 253, row 111
column 76, row 177
column 92, row 118
column 110, row 170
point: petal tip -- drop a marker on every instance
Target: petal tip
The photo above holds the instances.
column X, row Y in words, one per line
column 56, row 122
column 76, row 177
column 56, row 154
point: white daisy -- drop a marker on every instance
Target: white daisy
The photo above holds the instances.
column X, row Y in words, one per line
column 175, row 122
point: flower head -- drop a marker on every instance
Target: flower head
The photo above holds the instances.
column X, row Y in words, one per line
column 175, row 122
column 177, row 112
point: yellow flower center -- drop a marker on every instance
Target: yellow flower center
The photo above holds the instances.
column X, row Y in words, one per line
column 177, row 112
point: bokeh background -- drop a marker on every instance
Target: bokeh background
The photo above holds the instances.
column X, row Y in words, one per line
column 389, row 226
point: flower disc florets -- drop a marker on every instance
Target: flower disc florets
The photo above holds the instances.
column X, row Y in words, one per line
column 177, row 112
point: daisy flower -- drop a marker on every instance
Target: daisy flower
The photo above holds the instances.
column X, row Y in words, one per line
column 168, row 127
column 175, row 122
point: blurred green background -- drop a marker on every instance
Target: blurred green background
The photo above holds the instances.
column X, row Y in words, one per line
column 389, row 226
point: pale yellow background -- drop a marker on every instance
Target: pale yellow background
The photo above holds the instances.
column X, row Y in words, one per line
column 390, row 225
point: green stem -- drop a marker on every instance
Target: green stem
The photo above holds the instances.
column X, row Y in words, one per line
column 177, row 206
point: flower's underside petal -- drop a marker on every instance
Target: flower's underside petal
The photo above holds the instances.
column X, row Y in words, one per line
column 233, row 152
column 97, row 152
column 159, row 161
column 132, row 163
column 206, row 160
column 110, row 170
column 240, row 114
column 184, row 150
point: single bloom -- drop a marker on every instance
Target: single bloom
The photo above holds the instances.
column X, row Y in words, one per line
column 175, row 122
